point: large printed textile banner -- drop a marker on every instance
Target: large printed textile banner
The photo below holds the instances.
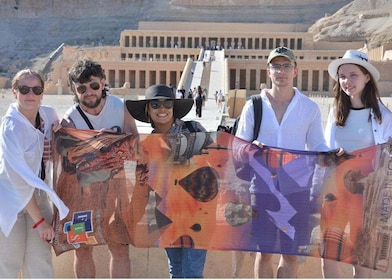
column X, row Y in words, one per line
column 214, row 191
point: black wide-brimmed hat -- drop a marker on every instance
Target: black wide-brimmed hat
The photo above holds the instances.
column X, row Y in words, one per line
column 138, row 108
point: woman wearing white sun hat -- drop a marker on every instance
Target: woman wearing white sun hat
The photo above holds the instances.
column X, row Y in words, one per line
column 357, row 120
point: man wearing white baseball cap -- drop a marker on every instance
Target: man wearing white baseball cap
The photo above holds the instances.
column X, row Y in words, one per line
column 357, row 120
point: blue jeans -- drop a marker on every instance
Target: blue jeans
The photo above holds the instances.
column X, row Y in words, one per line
column 186, row 262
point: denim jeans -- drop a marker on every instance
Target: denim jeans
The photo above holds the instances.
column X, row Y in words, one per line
column 186, row 262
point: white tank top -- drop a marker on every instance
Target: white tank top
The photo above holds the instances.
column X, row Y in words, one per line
column 111, row 116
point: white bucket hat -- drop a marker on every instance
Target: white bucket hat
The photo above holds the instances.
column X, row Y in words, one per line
column 353, row 57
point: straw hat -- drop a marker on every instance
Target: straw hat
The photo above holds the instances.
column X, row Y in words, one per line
column 353, row 57
column 138, row 108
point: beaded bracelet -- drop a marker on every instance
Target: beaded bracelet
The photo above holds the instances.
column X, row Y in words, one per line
column 40, row 221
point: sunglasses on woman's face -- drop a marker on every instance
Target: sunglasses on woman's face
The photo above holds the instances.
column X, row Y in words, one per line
column 36, row 90
column 83, row 88
column 156, row 104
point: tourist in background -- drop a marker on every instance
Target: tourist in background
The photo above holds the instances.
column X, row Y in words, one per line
column 164, row 112
column 173, row 88
column 194, row 92
column 25, row 162
column 96, row 109
column 190, row 94
column 357, row 120
column 290, row 120
column 199, row 100
column 221, row 99
column 179, row 94
column 205, row 96
column 183, row 91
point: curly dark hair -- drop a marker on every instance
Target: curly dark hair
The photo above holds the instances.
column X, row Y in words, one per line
column 81, row 72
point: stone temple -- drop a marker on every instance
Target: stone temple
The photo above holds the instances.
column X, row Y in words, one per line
column 217, row 56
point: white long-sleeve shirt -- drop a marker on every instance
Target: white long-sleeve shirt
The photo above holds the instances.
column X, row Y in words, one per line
column 300, row 129
column 21, row 150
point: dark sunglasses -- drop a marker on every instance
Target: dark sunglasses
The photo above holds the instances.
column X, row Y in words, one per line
column 83, row 88
column 36, row 90
column 168, row 104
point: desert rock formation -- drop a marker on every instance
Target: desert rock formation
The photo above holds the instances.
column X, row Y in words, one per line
column 31, row 30
column 368, row 21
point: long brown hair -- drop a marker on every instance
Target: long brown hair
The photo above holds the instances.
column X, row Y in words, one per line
column 370, row 97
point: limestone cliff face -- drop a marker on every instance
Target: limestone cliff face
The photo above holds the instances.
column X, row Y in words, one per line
column 35, row 28
column 115, row 8
column 369, row 21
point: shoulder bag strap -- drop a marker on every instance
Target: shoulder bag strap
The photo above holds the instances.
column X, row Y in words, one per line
column 258, row 112
column 84, row 117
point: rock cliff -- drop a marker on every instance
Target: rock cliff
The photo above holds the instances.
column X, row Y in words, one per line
column 362, row 20
column 33, row 29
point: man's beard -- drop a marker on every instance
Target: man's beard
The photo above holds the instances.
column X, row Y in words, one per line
column 93, row 105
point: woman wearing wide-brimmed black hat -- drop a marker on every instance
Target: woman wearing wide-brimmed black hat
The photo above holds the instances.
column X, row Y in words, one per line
column 161, row 109
column 165, row 113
